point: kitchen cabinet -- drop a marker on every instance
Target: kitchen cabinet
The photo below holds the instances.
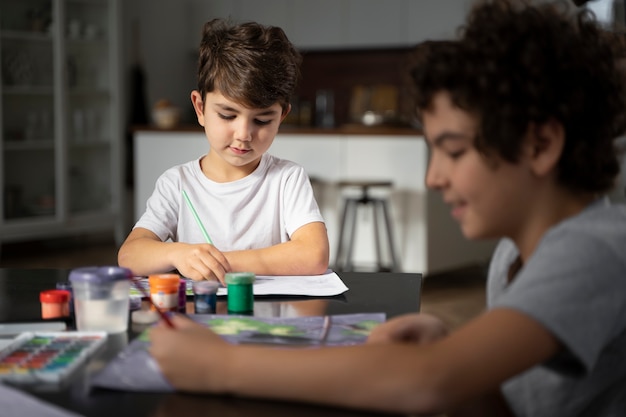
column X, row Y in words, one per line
column 60, row 118
column 427, row 238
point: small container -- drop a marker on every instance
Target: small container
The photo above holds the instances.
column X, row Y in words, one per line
column 164, row 291
column 182, row 296
column 205, row 296
column 134, row 302
column 101, row 298
column 68, row 287
column 240, row 293
column 54, row 303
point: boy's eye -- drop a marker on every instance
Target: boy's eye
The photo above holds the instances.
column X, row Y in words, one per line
column 456, row 154
column 256, row 121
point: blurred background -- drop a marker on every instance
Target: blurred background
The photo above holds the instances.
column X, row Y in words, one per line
column 95, row 103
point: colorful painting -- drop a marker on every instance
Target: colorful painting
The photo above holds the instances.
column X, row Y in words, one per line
column 134, row 369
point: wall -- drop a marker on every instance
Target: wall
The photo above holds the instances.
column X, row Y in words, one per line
column 170, row 31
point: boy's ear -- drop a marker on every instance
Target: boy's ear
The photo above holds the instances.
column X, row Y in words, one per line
column 285, row 113
column 198, row 106
column 545, row 144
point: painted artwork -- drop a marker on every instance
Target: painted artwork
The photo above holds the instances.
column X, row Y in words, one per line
column 133, row 369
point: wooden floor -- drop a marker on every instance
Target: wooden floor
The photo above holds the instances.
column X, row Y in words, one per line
column 455, row 296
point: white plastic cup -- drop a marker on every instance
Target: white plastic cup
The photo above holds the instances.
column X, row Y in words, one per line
column 101, row 298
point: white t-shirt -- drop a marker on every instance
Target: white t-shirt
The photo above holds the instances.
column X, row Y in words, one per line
column 261, row 210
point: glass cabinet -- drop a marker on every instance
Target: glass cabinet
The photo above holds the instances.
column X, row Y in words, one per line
column 60, row 118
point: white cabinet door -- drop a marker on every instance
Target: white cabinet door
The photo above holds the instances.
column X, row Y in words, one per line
column 401, row 160
column 321, row 156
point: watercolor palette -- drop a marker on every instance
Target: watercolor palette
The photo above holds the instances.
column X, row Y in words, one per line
column 47, row 357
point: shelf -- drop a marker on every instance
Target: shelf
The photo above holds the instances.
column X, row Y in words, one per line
column 87, row 92
column 60, row 119
column 86, row 42
column 100, row 143
column 27, row 90
column 27, row 218
column 29, row 145
column 88, row 2
column 23, row 35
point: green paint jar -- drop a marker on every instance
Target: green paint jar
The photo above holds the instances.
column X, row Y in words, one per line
column 240, row 295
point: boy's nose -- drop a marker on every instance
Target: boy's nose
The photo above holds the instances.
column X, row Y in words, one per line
column 244, row 131
column 434, row 177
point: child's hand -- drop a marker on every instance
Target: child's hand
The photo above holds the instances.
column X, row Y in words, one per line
column 188, row 354
column 413, row 328
column 200, row 261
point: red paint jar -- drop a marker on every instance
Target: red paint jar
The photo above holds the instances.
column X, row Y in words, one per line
column 54, row 303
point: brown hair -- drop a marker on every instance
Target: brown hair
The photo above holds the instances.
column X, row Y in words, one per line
column 250, row 63
column 516, row 64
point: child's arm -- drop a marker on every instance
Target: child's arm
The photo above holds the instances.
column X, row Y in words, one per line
column 307, row 253
column 415, row 328
column 423, row 328
column 144, row 254
column 446, row 375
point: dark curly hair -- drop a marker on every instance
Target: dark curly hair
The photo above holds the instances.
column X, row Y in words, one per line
column 250, row 63
column 516, row 64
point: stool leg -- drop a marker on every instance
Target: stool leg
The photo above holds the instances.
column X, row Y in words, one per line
column 354, row 211
column 395, row 264
column 376, row 213
column 338, row 258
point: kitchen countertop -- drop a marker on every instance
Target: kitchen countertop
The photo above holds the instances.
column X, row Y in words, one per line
column 348, row 129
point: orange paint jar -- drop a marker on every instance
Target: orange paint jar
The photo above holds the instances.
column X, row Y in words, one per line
column 164, row 291
column 54, row 303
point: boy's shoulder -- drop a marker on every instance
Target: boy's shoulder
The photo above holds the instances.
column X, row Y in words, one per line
column 274, row 162
column 185, row 167
column 599, row 229
column 600, row 216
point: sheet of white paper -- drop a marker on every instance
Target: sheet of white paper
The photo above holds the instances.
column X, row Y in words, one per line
column 324, row 285
column 327, row 284
column 17, row 403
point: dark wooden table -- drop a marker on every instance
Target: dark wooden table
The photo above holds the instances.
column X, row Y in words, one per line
column 369, row 292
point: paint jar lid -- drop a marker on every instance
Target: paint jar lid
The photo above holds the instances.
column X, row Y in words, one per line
column 239, row 278
column 134, row 302
column 164, row 280
column 54, row 296
column 100, row 274
column 205, row 287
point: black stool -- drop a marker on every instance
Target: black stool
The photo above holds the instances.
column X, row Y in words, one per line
column 343, row 260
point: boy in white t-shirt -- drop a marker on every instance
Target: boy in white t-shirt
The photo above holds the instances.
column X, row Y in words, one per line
column 258, row 212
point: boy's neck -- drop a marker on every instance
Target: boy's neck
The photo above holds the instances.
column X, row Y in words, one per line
column 218, row 170
column 546, row 214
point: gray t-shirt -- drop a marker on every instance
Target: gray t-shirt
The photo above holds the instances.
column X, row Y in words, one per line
column 574, row 285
